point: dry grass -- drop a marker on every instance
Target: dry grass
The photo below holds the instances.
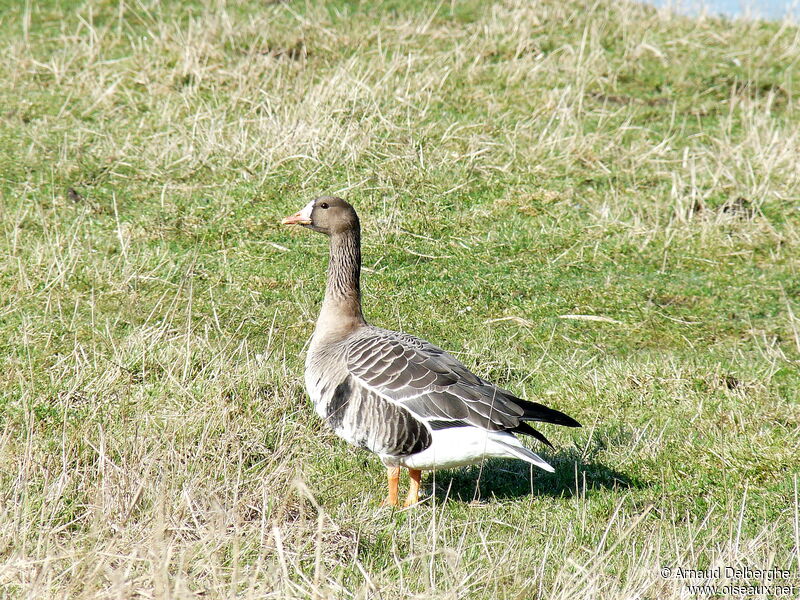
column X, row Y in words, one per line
column 513, row 164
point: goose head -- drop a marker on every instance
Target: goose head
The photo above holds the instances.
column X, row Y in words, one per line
column 328, row 214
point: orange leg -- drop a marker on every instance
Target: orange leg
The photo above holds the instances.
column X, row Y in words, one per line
column 393, row 476
column 413, row 488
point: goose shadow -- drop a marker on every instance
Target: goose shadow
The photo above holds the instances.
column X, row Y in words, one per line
column 505, row 479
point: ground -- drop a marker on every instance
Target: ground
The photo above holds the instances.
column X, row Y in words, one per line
column 594, row 205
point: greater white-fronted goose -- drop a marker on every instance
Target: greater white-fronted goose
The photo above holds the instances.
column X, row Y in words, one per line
column 406, row 400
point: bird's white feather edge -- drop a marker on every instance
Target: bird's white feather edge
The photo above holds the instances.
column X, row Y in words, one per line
column 458, row 446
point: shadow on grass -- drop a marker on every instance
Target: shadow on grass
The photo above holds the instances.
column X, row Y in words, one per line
column 504, row 479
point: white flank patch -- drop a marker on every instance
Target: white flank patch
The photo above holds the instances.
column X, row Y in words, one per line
column 460, row 446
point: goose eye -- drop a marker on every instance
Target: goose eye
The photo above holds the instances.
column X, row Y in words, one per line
column 324, row 205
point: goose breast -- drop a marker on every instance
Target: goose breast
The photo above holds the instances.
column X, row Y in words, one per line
column 357, row 413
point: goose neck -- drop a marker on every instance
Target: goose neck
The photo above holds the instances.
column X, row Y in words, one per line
column 341, row 309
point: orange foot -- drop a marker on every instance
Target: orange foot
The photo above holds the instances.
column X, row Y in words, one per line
column 413, row 489
column 393, row 477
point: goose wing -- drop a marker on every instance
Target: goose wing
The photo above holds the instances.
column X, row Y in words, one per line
column 437, row 388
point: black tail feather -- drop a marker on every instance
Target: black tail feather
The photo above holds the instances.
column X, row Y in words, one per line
column 539, row 412
column 527, row 429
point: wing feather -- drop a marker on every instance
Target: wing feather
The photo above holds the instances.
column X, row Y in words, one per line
column 429, row 382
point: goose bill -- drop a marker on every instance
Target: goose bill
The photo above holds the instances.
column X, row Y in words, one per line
column 296, row 219
column 302, row 217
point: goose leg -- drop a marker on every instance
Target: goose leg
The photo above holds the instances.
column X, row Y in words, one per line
column 393, row 477
column 413, row 488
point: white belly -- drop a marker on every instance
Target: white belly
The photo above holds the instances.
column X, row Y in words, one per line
column 456, row 447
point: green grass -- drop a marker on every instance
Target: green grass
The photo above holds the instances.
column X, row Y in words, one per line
column 512, row 163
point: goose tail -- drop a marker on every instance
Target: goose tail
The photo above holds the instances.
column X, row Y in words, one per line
column 533, row 411
column 517, row 450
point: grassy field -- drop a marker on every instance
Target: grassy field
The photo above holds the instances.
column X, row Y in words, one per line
column 513, row 164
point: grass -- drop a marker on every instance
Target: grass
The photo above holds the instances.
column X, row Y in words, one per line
column 512, row 163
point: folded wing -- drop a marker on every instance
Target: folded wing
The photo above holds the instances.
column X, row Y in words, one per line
column 437, row 388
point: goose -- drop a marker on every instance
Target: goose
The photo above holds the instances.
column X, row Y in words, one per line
column 401, row 397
